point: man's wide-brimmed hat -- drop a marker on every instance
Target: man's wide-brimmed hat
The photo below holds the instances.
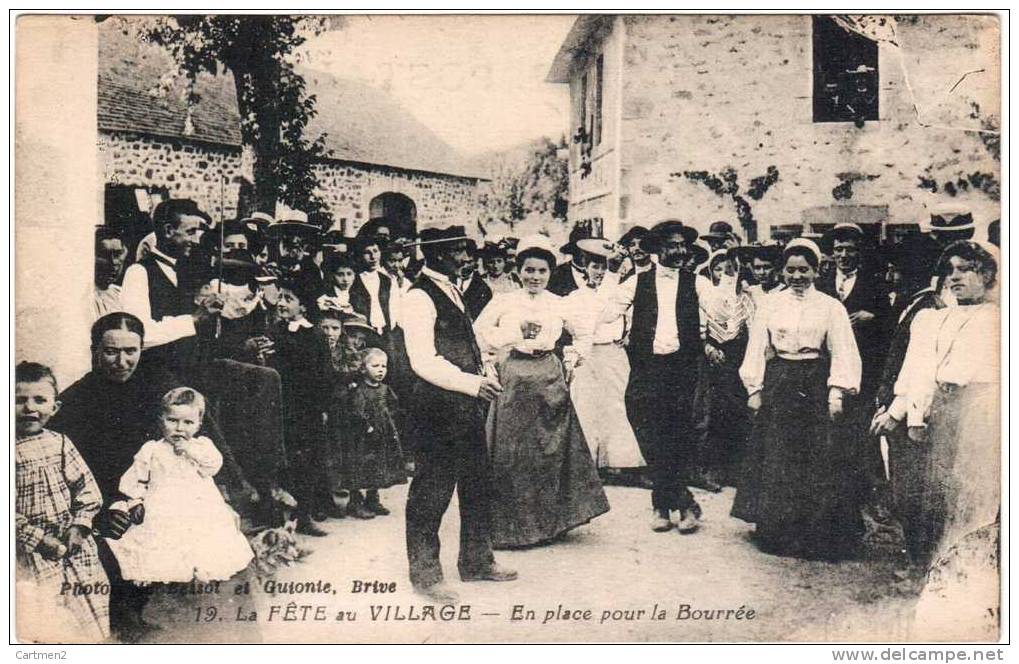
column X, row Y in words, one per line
column 634, row 233
column 493, row 249
column 767, row 252
column 663, row 228
column 239, row 227
column 721, row 230
column 701, row 251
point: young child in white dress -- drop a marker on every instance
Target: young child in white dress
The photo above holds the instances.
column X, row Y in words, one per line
column 188, row 531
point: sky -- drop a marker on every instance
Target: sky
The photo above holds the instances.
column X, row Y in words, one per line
column 478, row 82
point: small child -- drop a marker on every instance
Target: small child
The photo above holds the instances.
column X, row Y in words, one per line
column 339, row 271
column 188, row 532
column 57, row 498
column 363, row 420
column 302, row 359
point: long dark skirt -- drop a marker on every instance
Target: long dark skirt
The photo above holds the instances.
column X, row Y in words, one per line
column 544, row 480
column 796, row 486
column 728, row 416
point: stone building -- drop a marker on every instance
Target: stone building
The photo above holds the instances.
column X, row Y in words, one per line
column 381, row 160
column 816, row 120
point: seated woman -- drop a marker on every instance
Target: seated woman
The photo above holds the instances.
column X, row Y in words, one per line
column 544, row 480
column 801, row 360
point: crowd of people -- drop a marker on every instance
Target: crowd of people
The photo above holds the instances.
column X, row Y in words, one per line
column 263, row 374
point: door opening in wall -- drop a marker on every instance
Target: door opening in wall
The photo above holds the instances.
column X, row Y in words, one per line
column 398, row 210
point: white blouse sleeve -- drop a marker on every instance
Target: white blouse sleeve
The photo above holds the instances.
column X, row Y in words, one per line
column 203, row 453
column 914, row 389
column 845, row 356
column 580, row 324
column 134, row 483
column 491, row 333
column 751, row 372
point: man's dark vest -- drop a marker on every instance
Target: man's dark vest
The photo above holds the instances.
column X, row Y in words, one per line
column 444, row 417
column 165, row 299
column 477, row 296
column 360, row 299
column 645, row 316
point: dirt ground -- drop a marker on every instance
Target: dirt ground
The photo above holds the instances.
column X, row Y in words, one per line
column 616, row 564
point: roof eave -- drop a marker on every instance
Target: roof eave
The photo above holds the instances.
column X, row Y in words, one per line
column 583, row 29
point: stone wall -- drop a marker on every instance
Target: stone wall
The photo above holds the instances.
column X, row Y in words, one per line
column 440, row 199
column 192, row 170
column 706, row 93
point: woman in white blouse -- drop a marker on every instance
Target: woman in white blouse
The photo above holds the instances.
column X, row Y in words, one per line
column 801, row 362
column 598, row 389
column 947, row 393
column 726, row 310
column 544, row 480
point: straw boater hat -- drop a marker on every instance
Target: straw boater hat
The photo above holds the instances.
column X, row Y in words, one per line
column 596, row 246
column 441, row 236
column 294, row 223
column 577, row 233
column 847, row 231
column 951, row 219
column 258, row 222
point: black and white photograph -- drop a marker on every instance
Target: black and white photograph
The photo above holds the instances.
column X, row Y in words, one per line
column 438, row 328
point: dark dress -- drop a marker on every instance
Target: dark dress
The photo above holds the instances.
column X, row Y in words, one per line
column 795, row 487
column 544, row 479
column 363, row 424
column 798, row 484
column 302, row 360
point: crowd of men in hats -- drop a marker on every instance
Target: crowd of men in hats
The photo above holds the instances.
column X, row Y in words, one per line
column 335, row 367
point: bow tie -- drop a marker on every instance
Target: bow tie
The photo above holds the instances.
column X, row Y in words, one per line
column 668, row 273
column 296, row 325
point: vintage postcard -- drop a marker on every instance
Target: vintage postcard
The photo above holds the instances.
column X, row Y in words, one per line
column 511, row 328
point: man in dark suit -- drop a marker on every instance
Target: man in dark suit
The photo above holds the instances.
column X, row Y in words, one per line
column 862, row 290
column 569, row 276
column 476, row 293
column 447, row 422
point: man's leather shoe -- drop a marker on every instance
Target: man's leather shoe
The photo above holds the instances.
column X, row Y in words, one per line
column 705, row 481
column 438, row 593
column 689, row 521
column 492, row 573
column 309, row 528
column 660, row 522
